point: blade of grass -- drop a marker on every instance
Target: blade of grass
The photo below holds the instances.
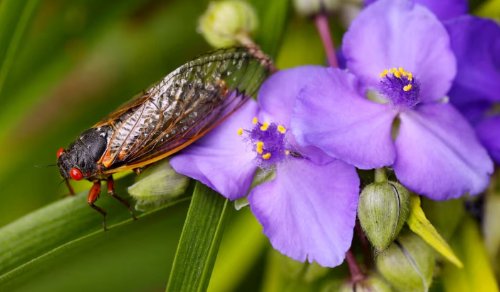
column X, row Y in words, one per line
column 130, row 250
column 46, row 229
column 273, row 16
column 200, row 240
column 19, row 14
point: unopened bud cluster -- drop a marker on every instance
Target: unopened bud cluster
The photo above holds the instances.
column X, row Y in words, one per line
column 382, row 211
column 157, row 185
column 408, row 263
column 225, row 22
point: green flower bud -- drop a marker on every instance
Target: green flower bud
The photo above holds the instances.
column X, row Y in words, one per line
column 372, row 283
column 226, row 23
column 313, row 7
column 382, row 211
column 408, row 264
column 157, row 185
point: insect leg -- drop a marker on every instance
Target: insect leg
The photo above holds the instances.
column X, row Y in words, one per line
column 94, row 193
column 111, row 192
column 70, row 188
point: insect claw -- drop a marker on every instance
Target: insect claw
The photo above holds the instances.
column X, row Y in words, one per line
column 111, row 192
column 102, row 212
column 70, row 188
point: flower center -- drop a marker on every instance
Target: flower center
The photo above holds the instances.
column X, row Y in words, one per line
column 400, row 87
column 268, row 142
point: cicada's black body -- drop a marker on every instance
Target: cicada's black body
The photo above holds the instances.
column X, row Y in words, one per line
column 167, row 117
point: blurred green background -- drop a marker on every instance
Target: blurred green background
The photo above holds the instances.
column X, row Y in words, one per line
column 66, row 64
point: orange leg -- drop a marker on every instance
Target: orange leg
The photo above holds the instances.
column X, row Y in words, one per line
column 111, row 192
column 93, row 195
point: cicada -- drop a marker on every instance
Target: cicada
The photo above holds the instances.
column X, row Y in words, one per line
column 167, row 117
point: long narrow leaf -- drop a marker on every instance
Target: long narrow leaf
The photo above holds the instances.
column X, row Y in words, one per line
column 200, row 240
column 17, row 16
column 55, row 225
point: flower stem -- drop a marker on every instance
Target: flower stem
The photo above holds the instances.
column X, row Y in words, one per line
column 321, row 21
column 380, row 175
column 367, row 255
column 356, row 274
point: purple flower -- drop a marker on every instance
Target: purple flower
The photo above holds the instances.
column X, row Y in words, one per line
column 400, row 54
column 308, row 209
column 475, row 91
column 443, row 9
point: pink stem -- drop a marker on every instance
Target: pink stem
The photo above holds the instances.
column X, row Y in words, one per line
column 356, row 274
column 321, row 21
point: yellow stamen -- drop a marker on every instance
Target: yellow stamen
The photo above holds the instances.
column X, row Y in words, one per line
column 397, row 74
column 264, row 126
column 410, row 76
column 255, row 121
column 281, row 129
column 259, row 147
column 240, row 131
column 266, row 156
column 407, row 87
column 384, row 73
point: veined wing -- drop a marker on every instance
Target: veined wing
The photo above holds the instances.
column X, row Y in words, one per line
column 184, row 106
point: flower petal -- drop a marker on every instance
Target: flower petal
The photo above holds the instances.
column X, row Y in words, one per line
column 331, row 115
column 278, row 93
column 308, row 211
column 221, row 159
column 398, row 33
column 443, row 9
column 438, row 154
column 476, row 43
column 488, row 132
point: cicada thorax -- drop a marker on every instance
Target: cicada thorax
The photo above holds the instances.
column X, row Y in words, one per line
column 181, row 108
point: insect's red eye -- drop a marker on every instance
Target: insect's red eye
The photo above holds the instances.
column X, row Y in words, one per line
column 59, row 152
column 75, row 173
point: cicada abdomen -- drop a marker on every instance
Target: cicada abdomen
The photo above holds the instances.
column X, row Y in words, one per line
column 167, row 117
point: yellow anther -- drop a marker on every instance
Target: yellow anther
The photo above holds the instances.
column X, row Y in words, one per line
column 266, row 156
column 397, row 74
column 393, row 70
column 287, row 152
column 255, row 121
column 281, row 129
column 240, row 131
column 407, row 87
column 384, row 73
column 259, row 147
column 410, row 76
column 264, row 126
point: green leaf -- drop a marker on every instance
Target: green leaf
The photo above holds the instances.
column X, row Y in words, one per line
column 477, row 274
column 15, row 16
column 273, row 16
column 489, row 9
column 419, row 224
column 200, row 240
column 241, row 246
column 48, row 229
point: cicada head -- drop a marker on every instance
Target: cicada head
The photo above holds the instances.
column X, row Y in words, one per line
column 79, row 160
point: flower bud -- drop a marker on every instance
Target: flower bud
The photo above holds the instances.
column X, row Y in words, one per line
column 157, row 185
column 225, row 22
column 382, row 211
column 373, row 283
column 408, row 264
column 313, row 7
